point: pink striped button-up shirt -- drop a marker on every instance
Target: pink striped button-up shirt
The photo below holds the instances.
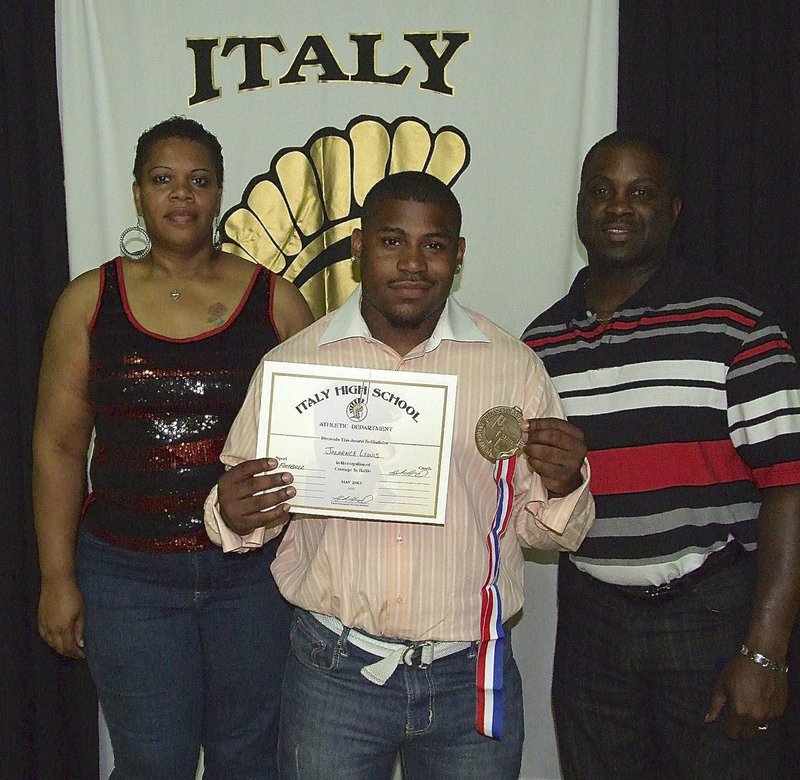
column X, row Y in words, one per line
column 407, row 580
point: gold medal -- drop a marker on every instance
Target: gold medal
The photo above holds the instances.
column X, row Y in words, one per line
column 498, row 434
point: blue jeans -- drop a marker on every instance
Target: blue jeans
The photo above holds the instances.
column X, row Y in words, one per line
column 186, row 649
column 337, row 724
column 632, row 681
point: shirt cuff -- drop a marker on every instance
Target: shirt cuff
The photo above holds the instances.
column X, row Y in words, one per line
column 555, row 513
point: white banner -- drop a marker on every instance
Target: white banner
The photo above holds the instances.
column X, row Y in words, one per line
column 527, row 85
column 313, row 101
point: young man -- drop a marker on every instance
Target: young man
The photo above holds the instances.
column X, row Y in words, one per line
column 371, row 590
column 672, row 631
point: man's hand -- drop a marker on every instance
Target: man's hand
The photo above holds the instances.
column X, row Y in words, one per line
column 250, row 497
column 749, row 695
column 555, row 450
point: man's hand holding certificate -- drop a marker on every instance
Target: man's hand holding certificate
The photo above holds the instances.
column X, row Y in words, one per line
column 253, row 495
column 360, row 443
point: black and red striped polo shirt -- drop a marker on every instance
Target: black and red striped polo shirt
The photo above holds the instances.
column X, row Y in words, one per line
column 690, row 403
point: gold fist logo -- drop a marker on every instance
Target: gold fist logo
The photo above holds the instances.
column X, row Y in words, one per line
column 296, row 219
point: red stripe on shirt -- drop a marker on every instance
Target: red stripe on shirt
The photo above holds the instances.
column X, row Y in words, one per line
column 660, row 466
column 702, row 314
column 780, row 345
column 778, row 475
column 546, row 340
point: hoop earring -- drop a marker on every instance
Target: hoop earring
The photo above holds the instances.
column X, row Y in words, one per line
column 216, row 238
column 142, row 236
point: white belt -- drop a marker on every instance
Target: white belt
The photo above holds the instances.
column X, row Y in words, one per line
column 391, row 654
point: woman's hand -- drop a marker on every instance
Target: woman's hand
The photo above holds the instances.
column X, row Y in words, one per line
column 61, row 620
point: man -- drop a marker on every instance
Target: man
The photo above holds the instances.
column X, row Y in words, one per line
column 672, row 631
column 375, row 594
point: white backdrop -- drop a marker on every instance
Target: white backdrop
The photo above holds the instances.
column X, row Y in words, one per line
column 533, row 86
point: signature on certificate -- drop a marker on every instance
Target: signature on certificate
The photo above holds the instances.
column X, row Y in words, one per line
column 419, row 472
column 352, row 500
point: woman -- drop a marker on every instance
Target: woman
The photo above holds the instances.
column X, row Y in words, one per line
column 186, row 645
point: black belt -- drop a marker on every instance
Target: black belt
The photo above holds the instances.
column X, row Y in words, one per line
column 712, row 565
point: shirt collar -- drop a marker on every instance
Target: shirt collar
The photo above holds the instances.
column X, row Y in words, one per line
column 454, row 324
column 653, row 294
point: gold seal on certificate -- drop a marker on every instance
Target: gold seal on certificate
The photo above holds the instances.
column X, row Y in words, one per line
column 498, row 434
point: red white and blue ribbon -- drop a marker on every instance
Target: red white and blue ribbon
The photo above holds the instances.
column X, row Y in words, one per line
column 489, row 682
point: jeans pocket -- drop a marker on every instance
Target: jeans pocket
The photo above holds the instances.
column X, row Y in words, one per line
column 314, row 646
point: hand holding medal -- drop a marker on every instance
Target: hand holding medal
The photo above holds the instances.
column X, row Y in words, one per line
column 555, row 450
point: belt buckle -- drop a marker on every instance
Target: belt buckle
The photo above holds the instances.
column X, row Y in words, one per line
column 425, row 658
column 657, row 591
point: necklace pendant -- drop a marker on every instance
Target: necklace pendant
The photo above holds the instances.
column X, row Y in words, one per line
column 175, row 294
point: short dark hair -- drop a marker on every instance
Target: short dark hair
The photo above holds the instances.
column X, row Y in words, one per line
column 177, row 127
column 412, row 185
column 641, row 140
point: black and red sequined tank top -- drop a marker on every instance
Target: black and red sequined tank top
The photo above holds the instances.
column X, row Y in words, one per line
column 163, row 408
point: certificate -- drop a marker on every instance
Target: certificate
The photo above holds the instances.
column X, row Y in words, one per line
column 360, row 443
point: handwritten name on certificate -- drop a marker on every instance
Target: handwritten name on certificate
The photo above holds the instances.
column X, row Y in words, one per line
column 361, row 443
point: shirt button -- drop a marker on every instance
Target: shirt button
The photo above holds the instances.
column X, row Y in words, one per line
column 400, row 599
column 399, row 539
